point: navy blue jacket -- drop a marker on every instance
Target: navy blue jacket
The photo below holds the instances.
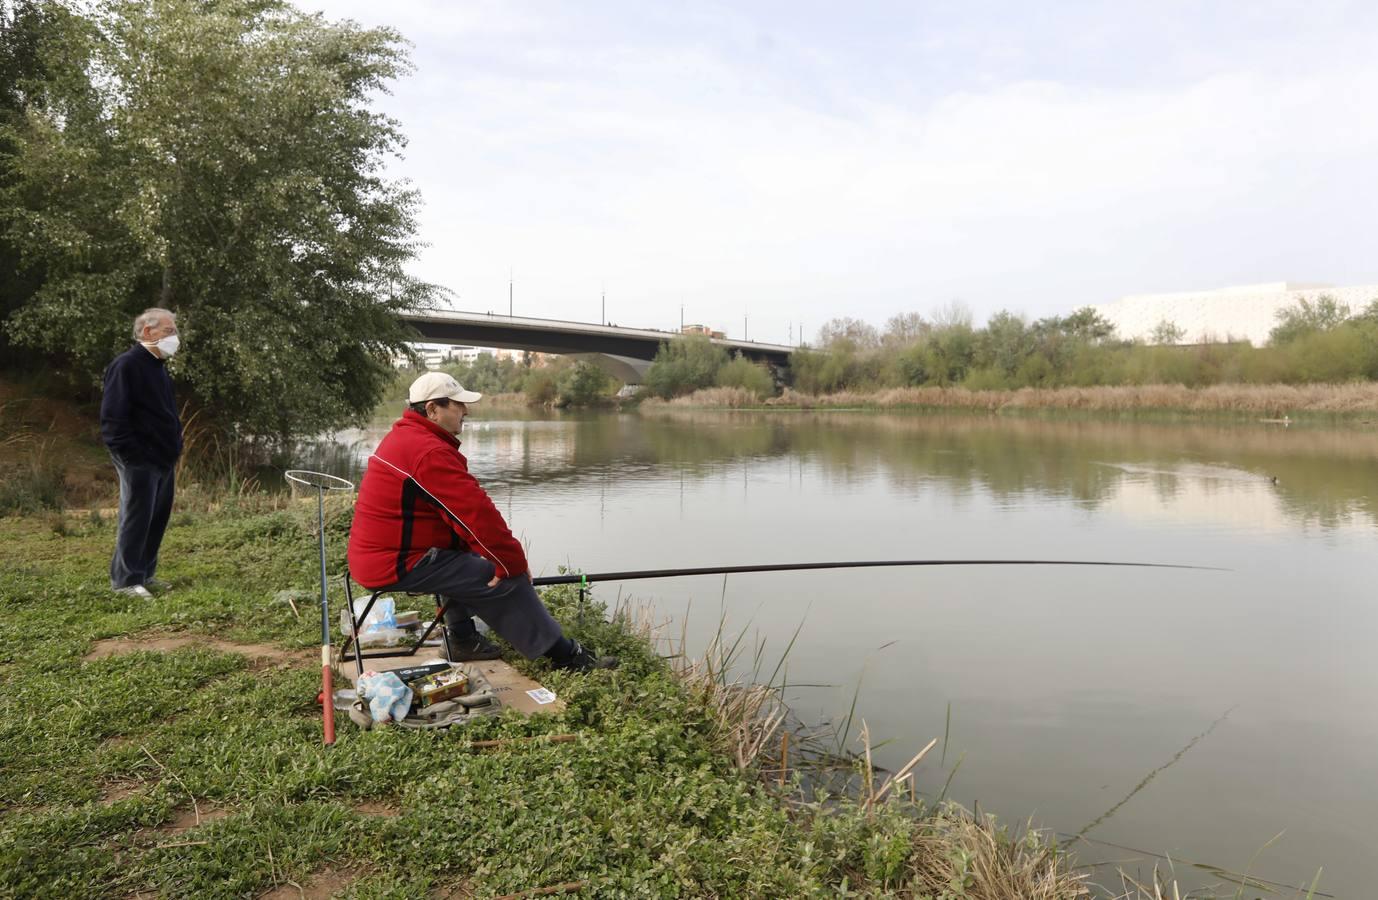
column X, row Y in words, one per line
column 138, row 415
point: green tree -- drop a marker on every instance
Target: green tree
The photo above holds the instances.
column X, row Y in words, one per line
column 44, row 56
column 1366, row 316
column 750, row 376
column 1003, row 344
column 220, row 158
column 1167, row 332
column 541, row 386
column 488, row 374
column 584, row 384
column 1304, row 317
column 1087, row 325
column 684, row 365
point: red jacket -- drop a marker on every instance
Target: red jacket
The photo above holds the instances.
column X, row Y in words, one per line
column 417, row 494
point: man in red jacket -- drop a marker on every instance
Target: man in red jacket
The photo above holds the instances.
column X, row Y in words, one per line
column 423, row 524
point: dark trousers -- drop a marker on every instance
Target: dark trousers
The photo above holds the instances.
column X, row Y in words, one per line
column 145, row 505
column 511, row 607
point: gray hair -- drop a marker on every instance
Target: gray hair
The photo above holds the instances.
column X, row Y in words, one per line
column 149, row 317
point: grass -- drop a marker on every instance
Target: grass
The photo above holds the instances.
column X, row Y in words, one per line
column 198, row 770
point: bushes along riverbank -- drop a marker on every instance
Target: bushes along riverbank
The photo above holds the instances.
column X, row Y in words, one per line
column 1357, row 400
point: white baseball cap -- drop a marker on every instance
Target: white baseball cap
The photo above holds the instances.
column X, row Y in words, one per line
column 434, row 385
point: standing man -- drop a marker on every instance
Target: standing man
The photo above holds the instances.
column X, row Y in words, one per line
column 423, row 524
column 139, row 424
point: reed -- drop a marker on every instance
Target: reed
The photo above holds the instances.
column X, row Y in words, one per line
column 960, row 854
column 34, row 478
column 1271, row 400
column 721, row 397
column 747, row 715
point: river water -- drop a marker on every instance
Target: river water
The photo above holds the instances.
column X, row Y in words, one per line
column 1239, row 704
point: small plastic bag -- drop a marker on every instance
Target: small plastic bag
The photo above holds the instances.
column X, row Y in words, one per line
column 382, row 615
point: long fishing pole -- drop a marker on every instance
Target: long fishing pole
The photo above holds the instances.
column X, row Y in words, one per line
column 638, row 574
column 322, row 483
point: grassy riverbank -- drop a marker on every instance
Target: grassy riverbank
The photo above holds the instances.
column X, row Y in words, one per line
column 185, row 759
column 1357, row 401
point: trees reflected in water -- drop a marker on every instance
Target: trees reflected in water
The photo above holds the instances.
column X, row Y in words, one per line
column 1325, row 477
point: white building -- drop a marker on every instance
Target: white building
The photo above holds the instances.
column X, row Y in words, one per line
column 1233, row 313
column 433, row 356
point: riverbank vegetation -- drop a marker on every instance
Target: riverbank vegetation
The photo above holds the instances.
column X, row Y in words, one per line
column 252, row 204
column 1320, row 343
column 173, row 746
column 557, row 382
column 1357, row 401
column 1322, row 358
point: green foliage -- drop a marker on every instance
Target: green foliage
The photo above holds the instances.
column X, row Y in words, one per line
column 750, row 376
column 1306, row 318
column 1083, row 325
column 540, row 386
column 488, row 374
column 1345, row 353
column 1004, row 343
column 684, row 365
column 221, row 160
column 1167, row 332
column 584, row 384
column 43, row 52
column 948, row 353
column 1322, row 343
column 1366, row 316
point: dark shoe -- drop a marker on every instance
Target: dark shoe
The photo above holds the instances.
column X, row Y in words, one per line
column 580, row 659
column 472, row 649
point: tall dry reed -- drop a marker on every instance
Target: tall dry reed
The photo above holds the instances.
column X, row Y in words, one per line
column 747, row 714
column 1262, row 400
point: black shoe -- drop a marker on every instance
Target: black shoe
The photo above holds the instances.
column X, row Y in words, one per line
column 581, row 660
column 472, row 649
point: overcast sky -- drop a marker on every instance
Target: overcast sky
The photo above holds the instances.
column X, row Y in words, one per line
column 790, row 162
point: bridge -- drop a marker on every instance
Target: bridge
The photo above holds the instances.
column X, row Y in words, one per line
column 624, row 352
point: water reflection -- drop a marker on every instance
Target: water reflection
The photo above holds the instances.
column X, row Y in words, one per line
column 1249, row 477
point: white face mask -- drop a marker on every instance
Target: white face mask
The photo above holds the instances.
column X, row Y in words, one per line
column 166, row 346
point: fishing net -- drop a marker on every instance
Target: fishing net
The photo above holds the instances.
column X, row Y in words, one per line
column 335, row 496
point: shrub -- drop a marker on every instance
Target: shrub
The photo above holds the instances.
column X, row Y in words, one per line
column 751, row 377
column 584, row 384
column 540, row 387
column 684, row 365
column 985, row 380
column 1305, row 318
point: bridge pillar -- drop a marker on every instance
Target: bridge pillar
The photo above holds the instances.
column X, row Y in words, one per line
column 624, row 368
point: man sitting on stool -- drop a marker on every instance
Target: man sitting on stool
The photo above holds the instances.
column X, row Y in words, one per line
column 423, row 524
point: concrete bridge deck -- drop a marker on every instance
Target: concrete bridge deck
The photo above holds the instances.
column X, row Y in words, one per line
column 629, row 350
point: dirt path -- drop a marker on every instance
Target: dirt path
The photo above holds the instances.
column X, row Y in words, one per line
column 260, row 655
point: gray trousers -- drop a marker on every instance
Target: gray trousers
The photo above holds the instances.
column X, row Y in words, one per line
column 511, row 607
column 145, row 505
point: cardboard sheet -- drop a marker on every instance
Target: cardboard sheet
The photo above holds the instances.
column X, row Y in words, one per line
column 513, row 689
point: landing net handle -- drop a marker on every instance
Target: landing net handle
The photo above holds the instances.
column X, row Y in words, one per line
column 322, row 482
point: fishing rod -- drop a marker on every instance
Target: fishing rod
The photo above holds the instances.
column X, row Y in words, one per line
column 639, row 574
